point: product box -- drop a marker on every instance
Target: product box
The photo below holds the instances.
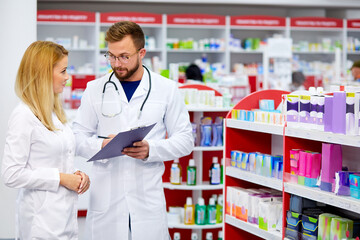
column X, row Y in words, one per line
column 292, row 234
column 293, row 221
column 355, row 186
column 309, row 225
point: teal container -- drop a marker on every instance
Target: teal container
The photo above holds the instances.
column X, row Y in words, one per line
column 211, row 212
column 200, row 212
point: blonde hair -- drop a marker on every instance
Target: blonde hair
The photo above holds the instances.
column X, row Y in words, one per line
column 34, row 81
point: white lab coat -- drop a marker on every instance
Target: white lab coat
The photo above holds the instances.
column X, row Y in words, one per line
column 33, row 158
column 124, row 186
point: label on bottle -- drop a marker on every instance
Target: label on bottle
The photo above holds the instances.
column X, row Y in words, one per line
column 189, row 215
column 175, row 175
column 200, row 216
column 212, row 215
column 215, row 175
column 191, row 177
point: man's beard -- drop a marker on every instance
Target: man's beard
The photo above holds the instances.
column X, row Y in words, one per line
column 129, row 73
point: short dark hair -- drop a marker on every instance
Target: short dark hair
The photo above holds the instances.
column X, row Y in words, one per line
column 298, row 78
column 193, row 72
column 356, row 64
column 122, row 29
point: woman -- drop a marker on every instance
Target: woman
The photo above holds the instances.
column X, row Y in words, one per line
column 39, row 149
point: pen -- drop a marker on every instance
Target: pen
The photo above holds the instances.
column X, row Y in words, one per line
column 103, row 137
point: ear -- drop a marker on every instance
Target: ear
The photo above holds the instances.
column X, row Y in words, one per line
column 142, row 53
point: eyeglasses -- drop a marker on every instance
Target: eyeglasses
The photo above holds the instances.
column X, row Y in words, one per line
column 123, row 59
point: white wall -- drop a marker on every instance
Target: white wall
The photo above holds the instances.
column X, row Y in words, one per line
column 18, row 30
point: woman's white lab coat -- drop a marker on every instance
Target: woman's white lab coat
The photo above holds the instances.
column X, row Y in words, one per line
column 33, row 158
column 124, row 186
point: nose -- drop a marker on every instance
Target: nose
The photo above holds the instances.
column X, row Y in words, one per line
column 117, row 62
column 67, row 76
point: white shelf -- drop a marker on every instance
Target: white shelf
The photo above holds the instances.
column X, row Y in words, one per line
column 321, row 136
column 194, row 226
column 208, row 149
column 252, row 228
column 194, row 51
column 254, row 178
column 207, row 109
column 255, row 126
column 183, row 186
column 344, row 202
column 354, row 53
column 247, row 51
column 314, row 52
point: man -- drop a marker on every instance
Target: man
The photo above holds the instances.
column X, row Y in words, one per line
column 126, row 198
column 355, row 71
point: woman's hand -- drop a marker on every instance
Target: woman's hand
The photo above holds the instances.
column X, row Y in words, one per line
column 70, row 181
column 85, row 182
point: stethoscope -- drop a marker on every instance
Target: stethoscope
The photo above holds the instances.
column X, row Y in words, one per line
column 117, row 90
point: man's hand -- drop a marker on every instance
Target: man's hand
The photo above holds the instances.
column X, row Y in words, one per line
column 106, row 141
column 140, row 150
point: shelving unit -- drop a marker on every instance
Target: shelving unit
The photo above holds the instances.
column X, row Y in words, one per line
column 247, row 28
column 176, row 194
column 251, row 137
column 252, row 228
column 352, row 27
column 76, row 31
column 90, row 26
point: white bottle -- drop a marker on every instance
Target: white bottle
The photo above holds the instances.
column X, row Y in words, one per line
column 194, row 236
column 209, row 236
column 175, row 173
column 176, row 236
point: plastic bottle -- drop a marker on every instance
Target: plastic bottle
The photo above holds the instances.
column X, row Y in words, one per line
column 189, row 215
column 214, row 172
column 211, row 212
column 191, row 173
column 222, row 171
column 200, row 212
column 209, row 236
column 175, row 173
column 220, row 235
column 176, row 236
column 194, row 236
column 214, row 196
column 219, row 209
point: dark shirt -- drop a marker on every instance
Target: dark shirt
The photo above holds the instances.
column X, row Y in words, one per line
column 129, row 88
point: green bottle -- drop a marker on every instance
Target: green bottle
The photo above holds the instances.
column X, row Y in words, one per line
column 191, row 173
column 200, row 210
column 219, row 209
column 220, row 235
column 211, row 212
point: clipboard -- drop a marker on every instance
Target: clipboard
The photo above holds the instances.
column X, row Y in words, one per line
column 121, row 141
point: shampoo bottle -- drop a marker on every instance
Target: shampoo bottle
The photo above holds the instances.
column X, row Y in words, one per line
column 211, row 212
column 200, row 210
column 194, row 236
column 209, row 236
column 176, row 236
column 219, row 209
column 189, row 212
column 191, row 173
column 175, row 173
column 214, row 172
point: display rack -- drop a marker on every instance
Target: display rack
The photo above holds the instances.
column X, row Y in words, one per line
column 176, row 194
column 251, row 137
column 272, row 139
column 90, row 26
